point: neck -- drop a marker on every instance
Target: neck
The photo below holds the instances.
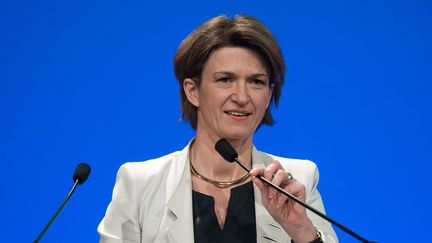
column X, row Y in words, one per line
column 209, row 163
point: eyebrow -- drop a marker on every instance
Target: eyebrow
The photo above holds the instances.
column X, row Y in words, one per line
column 233, row 74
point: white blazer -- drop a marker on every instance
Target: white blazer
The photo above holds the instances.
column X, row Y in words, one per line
column 152, row 201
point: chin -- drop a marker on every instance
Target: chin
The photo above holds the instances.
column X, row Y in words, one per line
column 237, row 135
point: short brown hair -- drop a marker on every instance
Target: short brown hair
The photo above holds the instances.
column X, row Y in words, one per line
column 222, row 31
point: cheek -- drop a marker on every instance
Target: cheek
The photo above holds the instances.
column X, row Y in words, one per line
column 212, row 101
column 262, row 102
column 216, row 99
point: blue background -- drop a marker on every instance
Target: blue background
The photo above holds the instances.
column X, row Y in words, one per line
column 93, row 81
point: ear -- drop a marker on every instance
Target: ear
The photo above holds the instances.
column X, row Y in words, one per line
column 271, row 88
column 191, row 91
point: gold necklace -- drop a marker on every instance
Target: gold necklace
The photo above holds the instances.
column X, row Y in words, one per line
column 220, row 184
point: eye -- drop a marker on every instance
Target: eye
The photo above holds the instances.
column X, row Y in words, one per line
column 223, row 79
column 258, row 82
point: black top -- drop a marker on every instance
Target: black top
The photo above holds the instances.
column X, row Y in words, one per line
column 240, row 225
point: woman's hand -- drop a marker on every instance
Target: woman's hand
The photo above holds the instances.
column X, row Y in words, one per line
column 289, row 214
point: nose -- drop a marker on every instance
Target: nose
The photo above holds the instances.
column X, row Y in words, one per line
column 240, row 94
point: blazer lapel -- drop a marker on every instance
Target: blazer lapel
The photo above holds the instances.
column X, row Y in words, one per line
column 268, row 230
column 177, row 216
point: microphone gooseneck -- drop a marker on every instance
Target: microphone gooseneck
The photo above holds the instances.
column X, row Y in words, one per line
column 79, row 177
column 224, row 148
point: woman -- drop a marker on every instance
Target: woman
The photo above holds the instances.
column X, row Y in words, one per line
column 230, row 71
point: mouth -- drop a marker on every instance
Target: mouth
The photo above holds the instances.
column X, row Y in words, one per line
column 238, row 113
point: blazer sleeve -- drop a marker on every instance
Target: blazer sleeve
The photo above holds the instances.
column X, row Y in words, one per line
column 121, row 223
column 314, row 200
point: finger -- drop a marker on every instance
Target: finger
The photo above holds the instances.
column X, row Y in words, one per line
column 256, row 171
column 296, row 189
column 274, row 166
column 269, row 172
column 259, row 184
column 279, row 177
column 288, row 185
column 271, row 169
column 263, row 188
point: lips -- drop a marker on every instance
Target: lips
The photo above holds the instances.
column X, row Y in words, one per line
column 238, row 113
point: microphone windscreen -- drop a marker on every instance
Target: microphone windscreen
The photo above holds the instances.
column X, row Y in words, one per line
column 81, row 173
column 226, row 150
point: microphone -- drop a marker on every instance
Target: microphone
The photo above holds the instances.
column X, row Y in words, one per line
column 79, row 177
column 224, row 148
column 81, row 173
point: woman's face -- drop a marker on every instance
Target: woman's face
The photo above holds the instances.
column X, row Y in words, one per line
column 233, row 95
